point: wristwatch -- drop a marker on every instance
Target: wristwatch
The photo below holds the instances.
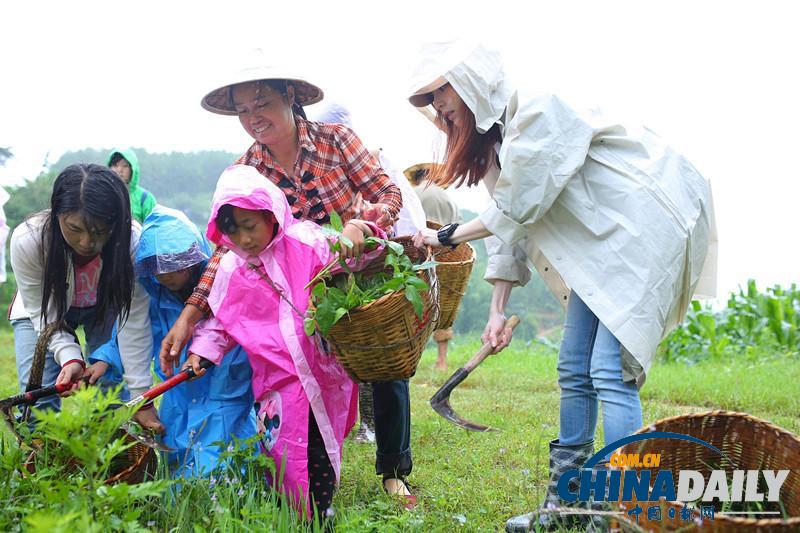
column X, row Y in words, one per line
column 444, row 234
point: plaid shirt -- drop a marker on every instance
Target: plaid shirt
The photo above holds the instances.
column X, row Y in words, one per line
column 332, row 168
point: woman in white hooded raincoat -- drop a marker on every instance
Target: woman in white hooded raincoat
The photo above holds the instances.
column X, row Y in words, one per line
column 619, row 226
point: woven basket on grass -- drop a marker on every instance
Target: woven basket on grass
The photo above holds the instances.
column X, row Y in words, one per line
column 137, row 463
column 134, row 465
column 749, row 442
column 453, row 270
column 383, row 340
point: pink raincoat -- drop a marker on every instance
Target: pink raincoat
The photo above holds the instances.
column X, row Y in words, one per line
column 290, row 372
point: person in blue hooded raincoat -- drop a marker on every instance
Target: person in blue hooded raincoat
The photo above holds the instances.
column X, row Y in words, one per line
column 172, row 255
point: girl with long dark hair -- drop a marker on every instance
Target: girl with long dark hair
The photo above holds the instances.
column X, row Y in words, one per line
column 73, row 266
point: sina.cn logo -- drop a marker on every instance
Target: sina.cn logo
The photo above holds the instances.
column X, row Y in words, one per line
column 637, row 479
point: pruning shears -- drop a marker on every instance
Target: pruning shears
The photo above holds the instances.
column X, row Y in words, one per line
column 31, row 397
column 153, row 393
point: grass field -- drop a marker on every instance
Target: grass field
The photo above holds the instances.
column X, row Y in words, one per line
column 472, row 481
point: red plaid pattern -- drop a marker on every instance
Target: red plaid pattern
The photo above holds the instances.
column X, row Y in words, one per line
column 199, row 297
column 332, row 168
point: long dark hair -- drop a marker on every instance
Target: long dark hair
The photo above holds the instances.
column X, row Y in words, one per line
column 99, row 195
column 468, row 153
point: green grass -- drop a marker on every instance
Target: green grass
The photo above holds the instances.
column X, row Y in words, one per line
column 767, row 389
column 475, row 481
column 8, row 365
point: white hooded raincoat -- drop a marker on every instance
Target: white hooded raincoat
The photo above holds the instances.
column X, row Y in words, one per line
column 608, row 211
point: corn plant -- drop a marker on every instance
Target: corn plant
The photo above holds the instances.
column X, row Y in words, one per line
column 770, row 318
column 698, row 338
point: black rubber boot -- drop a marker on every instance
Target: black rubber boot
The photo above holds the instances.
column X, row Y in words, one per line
column 599, row 523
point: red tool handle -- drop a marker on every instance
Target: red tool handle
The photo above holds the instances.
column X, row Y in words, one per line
column 163, row 387
column 30, row 397
column 64, row 387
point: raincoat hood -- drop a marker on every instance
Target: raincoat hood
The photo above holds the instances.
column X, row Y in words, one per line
column 169, row 242
column 142, row 201
column 130, row 156
column 203, row 412
column 580, row 197
column 261, row 306
column 474, row 72
column 244, row 187
column 334, row 113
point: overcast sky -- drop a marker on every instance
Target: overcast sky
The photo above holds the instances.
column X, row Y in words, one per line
column 717, row 79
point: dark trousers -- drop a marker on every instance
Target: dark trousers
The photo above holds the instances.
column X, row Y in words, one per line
column 321, row 477
column 392, row 406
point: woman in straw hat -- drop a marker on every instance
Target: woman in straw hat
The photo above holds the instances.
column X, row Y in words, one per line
column 439, row 207
column 321, row 168
column 619, row 226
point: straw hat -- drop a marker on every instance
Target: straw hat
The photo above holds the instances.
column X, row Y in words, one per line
column 416, row 173
column 219, row 100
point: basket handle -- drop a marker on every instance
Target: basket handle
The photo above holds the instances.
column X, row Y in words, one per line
column 434, row 292
column 434, row 298
column 39, row 354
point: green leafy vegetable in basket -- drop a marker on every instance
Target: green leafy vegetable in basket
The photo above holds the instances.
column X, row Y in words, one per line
column 333, row 296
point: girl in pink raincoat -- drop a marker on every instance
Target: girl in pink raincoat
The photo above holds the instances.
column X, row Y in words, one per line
column 307, row 402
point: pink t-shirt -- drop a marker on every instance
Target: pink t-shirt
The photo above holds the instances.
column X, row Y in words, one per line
column 86, row 278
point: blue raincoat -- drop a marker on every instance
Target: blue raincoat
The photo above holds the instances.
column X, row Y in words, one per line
column 209, row 409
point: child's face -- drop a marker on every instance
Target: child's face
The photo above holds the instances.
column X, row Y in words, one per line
column 254, row 230
column 175, row 281
column 123, row 169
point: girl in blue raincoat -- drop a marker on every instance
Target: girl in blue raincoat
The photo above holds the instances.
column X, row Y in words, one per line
column 172, row 255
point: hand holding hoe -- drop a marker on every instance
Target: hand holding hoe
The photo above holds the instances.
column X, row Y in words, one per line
column 441, row 400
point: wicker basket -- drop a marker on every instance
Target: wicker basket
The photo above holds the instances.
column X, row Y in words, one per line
column 136, row 464
column 750, row 443
column 453, row 270
column 383, row 340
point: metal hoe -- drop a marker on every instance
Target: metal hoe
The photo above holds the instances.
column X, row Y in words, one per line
column 441, row 400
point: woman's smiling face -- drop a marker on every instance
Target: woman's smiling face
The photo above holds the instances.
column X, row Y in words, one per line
column 265, row 114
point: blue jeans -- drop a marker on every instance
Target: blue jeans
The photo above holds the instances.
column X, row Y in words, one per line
column 590, row 369
column 25, row 343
